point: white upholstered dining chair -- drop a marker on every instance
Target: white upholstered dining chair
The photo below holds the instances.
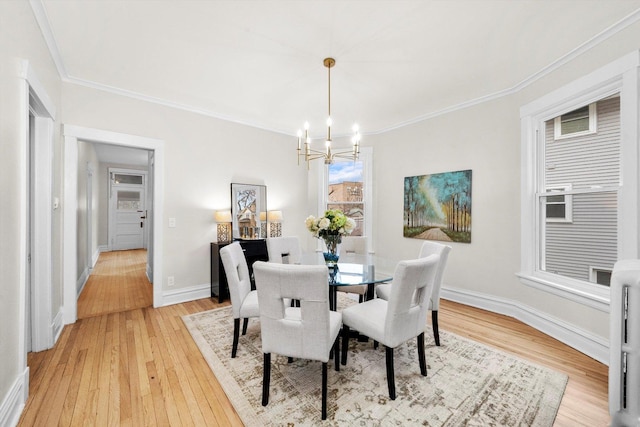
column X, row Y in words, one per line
column 428, row 248
column 307, row 332
column 244, row 301
column 399, row 319
column 284, row 250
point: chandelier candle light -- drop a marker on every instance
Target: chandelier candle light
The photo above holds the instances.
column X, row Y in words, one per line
column 327, row 154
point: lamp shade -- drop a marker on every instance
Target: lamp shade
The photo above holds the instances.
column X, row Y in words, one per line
column 274, row 216
column 222, row 216
column 263, row 216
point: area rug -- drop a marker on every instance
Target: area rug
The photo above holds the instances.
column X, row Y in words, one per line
column 467, row 383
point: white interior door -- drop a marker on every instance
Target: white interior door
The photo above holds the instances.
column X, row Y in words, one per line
column 127, row 212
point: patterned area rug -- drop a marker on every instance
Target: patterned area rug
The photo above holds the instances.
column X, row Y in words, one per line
column 467, row 383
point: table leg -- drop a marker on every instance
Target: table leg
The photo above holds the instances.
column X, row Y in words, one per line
column 333, row 298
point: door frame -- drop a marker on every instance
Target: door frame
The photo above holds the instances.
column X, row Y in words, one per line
column 44, row 328
column 72, row 134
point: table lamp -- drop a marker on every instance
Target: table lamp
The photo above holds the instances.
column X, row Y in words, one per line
column 223, row 218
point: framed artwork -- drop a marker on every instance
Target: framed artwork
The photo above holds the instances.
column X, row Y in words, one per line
column 438, row 206
column 248, row 203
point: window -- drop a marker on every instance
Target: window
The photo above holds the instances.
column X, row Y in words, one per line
column 579, row 205
column 345, row 191
column 558, row 205
column 122, row 178
column 581, row 224
column 347, row 186
column 600, row 275
column 581, row 121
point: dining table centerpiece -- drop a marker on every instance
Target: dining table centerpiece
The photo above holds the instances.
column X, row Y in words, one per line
column 331, row 227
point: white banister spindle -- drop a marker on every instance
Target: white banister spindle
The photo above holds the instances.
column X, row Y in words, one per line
column 624, row 363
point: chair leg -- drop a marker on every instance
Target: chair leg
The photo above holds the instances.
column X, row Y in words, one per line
column 391, row 379
column 244, row 325
column 375, row 344
column 434, row 324
column 236, row 336
column 345, row 343
column 324, row 391
column 336, row 353
column 290, row 360
column 266, row 378
column 421, row 358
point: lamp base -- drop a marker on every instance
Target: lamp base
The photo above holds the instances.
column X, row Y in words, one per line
column 224, row 233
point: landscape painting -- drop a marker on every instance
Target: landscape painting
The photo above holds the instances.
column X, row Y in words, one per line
column 438, row 206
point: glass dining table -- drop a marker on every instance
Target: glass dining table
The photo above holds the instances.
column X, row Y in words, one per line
column 353, row 269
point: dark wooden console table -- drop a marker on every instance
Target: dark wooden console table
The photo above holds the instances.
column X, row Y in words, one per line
column 254, row 250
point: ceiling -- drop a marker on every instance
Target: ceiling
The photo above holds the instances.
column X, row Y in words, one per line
column 260, row 62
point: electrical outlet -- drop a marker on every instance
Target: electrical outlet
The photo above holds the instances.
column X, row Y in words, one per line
column 171, row 281
column 172, row 222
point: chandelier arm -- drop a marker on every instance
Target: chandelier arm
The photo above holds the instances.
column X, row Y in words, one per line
column 327, row 154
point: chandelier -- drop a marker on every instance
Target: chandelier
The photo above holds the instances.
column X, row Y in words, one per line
column 328, row 155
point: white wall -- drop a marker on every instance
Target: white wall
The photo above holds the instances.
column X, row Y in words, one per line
column 486, row 139
column 20, row 39
column 203, row 156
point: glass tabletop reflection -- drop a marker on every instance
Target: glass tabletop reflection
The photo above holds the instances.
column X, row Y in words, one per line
column 353, row 269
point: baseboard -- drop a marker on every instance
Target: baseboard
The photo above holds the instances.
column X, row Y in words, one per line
column 186, row 294
column 96, row 255
column 585, row 342
column 13, row 403
column 82, row 280
column 58, row 324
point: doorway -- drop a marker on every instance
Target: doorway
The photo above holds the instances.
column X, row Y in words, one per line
column 73, row 134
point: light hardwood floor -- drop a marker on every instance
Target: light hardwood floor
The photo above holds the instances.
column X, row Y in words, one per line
column 141, row 367
column 117, row 283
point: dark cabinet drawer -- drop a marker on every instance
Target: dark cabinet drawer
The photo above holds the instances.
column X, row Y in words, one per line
column 254, row 250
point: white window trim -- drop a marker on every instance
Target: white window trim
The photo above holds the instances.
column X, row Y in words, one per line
column 593, row 124
column 560, row 190
column 621, row 76
column 366, row 156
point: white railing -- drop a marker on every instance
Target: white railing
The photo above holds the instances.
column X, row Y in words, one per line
column 624, row 363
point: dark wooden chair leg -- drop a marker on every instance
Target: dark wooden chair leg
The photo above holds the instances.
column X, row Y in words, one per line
column 361, row 299
column 375, row 344
column 345, row 343
column 266, row 378
column 245, row 322
column 236, row 336
column 434, row 324
column 391, row 380
column 336, row 353
column 324, row 391
column 421, row 358
column 290, row 360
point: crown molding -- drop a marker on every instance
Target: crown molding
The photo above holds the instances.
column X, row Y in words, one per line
column 43, row 22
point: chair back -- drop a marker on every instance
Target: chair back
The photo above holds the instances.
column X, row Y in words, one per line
column 290, row 331
column 408, row 302
column 354, row 245
column 237, row 272
column 430, row 248
column 284, row 250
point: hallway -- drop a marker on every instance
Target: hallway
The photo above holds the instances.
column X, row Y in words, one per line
column 117, row 283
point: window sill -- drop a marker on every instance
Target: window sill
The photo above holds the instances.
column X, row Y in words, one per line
column 589, row 294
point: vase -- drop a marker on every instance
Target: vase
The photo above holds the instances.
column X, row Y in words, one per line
column 331, row 256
